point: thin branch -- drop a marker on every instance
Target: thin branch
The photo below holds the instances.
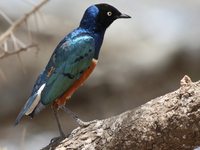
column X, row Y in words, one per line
column 6, row 54
column 36, row 22
column 20, row 21
column 23, row 138
column 9, row 34
column 14, row 41
column 30, row 2
column 6, row 17
column 5, row 45
column 9, row 40
column 3, row 75
column 20, row 43
column 29, row 31
column 22, row 64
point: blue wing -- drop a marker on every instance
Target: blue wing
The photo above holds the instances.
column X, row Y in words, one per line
column 72, row 59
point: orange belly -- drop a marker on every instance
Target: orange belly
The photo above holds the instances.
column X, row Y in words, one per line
column 62, row 100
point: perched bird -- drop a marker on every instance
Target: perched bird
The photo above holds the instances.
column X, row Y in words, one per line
column 71, row 63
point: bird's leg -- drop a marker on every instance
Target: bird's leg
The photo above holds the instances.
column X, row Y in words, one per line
column 62, row 134
column 78, row 120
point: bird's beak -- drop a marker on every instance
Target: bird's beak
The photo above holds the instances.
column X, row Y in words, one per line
column 123, row 16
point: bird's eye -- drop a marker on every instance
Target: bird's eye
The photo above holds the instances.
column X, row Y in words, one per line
column 109, row 13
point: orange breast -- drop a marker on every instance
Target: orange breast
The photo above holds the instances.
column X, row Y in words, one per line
column 62, row 100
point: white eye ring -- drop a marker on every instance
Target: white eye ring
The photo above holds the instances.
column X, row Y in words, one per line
column 109, row 13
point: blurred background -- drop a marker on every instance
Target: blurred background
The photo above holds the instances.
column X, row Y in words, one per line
column 141, row 58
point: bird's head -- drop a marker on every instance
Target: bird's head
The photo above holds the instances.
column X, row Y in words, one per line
column 101, row 16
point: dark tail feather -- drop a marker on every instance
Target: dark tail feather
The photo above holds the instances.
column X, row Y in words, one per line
column 19, row 118
column 25, row 108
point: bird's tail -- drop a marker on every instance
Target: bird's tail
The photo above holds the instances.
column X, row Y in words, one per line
column 25, row 108
column 31, row 108
column 33, row 105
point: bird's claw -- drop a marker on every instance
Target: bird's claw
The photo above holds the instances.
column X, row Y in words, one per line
column 56, row 139
column 59, row 138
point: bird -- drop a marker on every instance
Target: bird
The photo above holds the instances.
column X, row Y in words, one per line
column 72, row 61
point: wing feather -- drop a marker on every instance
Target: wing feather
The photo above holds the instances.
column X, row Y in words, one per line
column 71, row 59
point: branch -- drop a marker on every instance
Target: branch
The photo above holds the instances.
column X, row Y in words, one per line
column 8, row 39
column 8, row 35
column 167, row 122
column 20, row 21
column 6, row 54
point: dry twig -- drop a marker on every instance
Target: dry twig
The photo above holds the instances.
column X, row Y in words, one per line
column 11, row 44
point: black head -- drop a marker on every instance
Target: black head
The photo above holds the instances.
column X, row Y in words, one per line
column 100, row 16
column 107, row 14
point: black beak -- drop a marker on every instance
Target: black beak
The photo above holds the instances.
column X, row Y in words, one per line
column 123, row 16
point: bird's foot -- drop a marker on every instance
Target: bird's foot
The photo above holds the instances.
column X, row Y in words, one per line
column 85, row 124
column 78, row 120
column 59, row 138
column 56, row 139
